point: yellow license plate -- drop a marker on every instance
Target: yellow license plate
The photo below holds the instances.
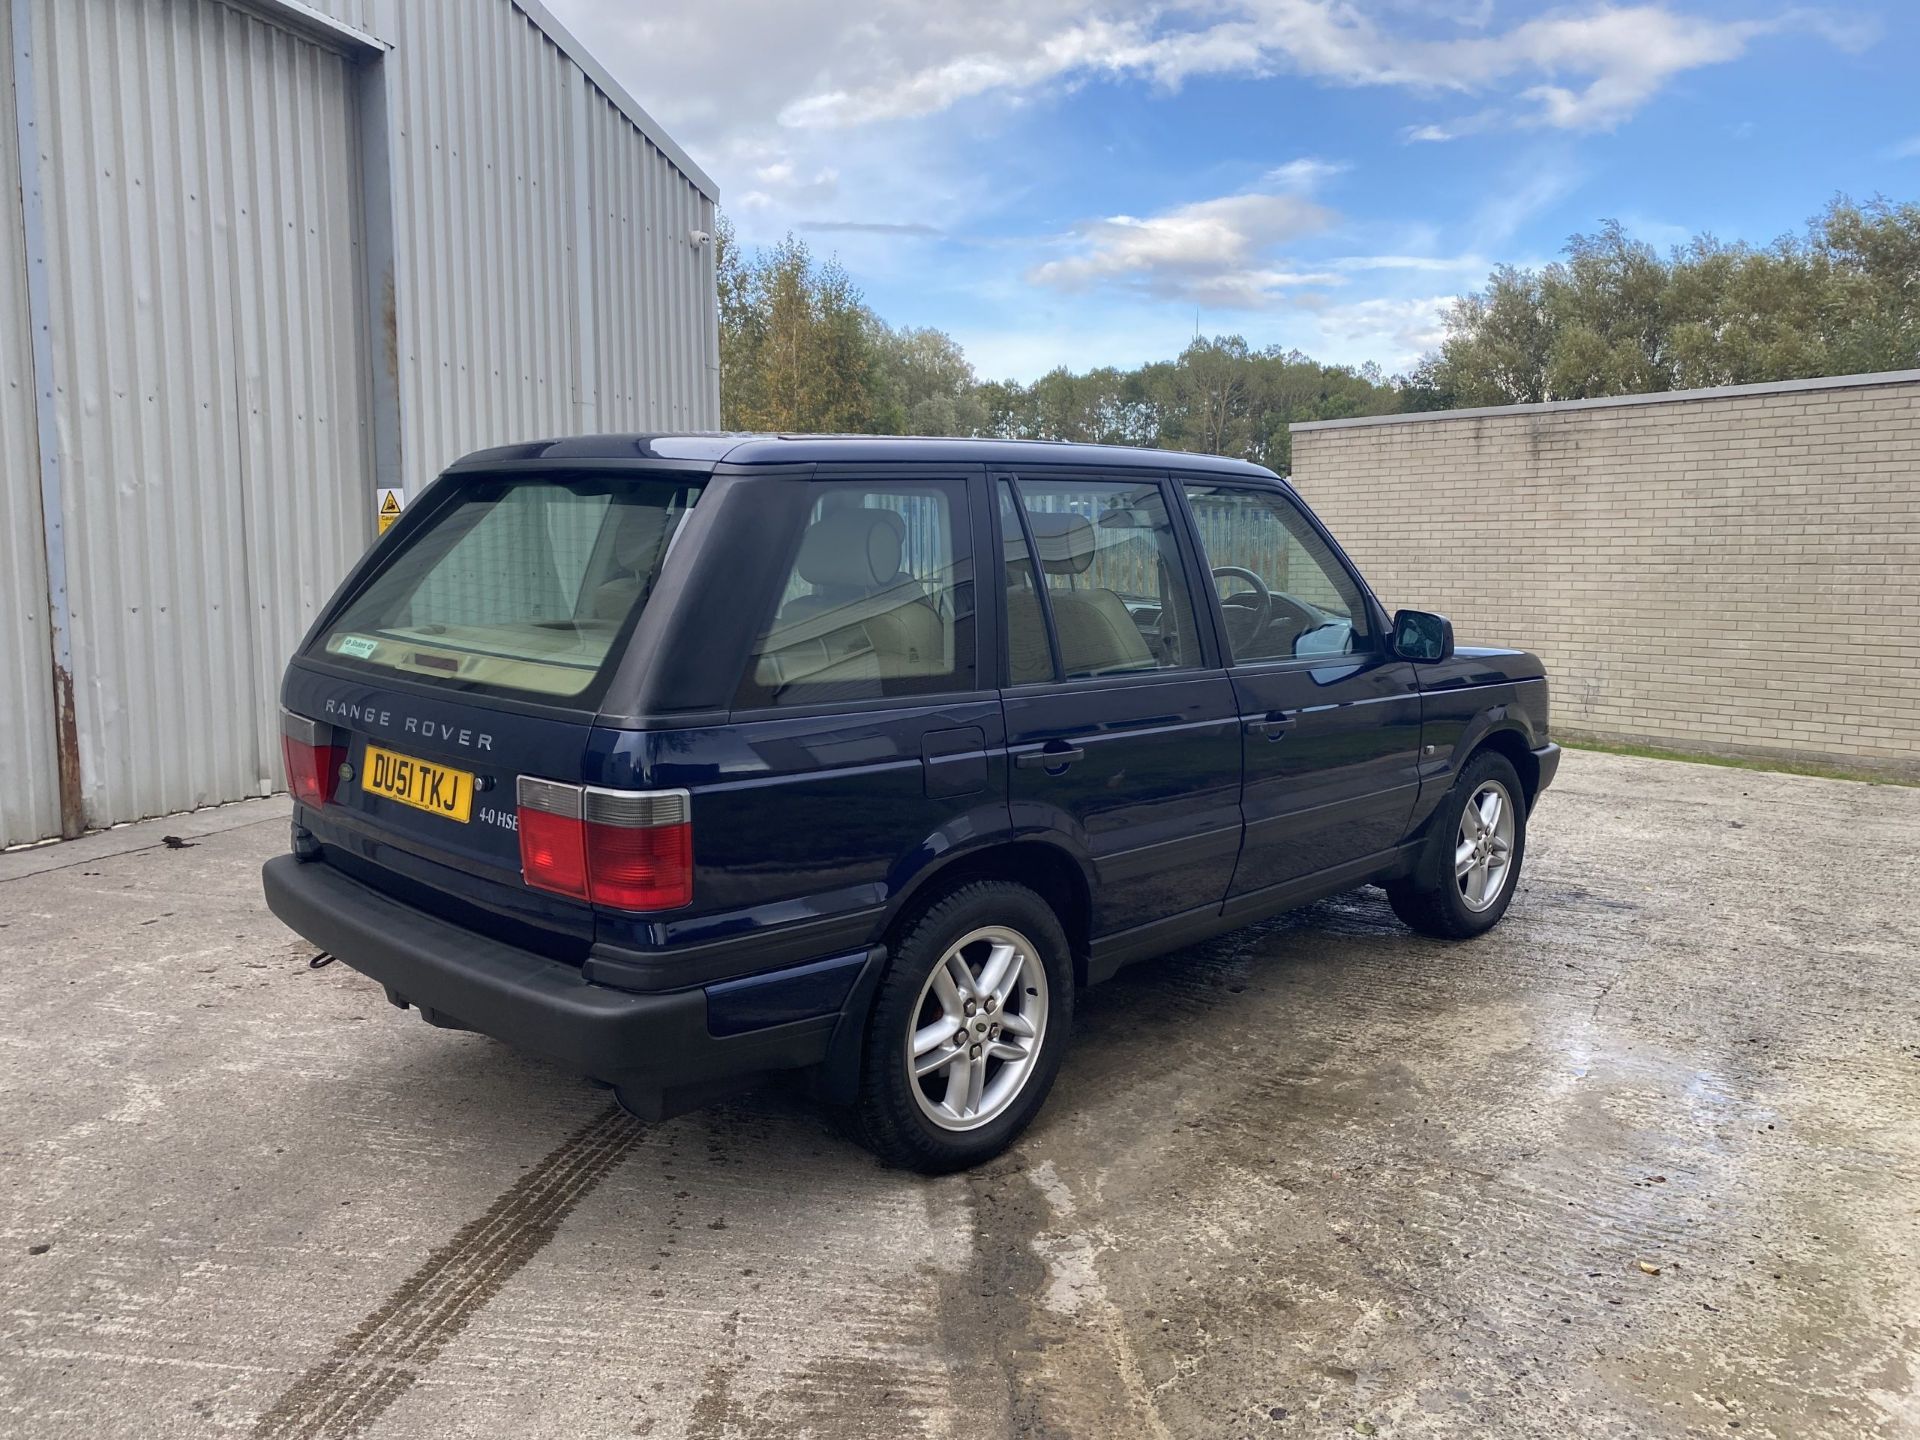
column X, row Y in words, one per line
column 434, row 788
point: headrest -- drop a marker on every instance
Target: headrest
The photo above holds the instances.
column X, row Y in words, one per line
column 851, row 548
column 1065, row 541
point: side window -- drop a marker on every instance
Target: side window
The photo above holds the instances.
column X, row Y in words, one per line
column 1113, row 575
column 878, row 602
column 1283, row 594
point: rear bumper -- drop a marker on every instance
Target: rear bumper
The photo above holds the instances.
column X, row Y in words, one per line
column 659, row 1051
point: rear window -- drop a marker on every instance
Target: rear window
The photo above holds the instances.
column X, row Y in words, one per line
column 523, row 585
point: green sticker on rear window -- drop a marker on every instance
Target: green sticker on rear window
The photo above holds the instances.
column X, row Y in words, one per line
column 358, row 646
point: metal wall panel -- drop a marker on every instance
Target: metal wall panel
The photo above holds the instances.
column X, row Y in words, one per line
column 369, row 16
column 482, row 254
column 219, row 360
column 200, row 224
column 29, row 782
column 656, row 327
column 506, row 331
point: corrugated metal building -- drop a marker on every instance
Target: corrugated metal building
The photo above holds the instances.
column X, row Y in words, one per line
column 259, row 258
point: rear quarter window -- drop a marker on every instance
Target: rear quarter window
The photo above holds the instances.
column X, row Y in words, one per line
column 876, row 602
column 521, row 585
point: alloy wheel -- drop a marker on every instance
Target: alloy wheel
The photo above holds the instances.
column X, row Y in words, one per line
column 1483, row 851
column 978, row 1028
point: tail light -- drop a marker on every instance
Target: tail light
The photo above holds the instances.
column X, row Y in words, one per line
column 314, row 755
column 625, row 849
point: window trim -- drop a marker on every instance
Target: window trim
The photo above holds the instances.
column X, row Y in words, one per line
column 1210, row 657
column 995, row 479
column 1368, row 642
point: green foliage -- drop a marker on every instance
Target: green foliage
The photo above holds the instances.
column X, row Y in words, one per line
column 1220, row 397
column 926, row 385
column 800, row 350
column 797, row 349
column 1614, row 318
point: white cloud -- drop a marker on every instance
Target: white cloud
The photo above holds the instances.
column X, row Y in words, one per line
column 1217, row 253
column 1908, row 149
column 898, row 126
column 1477, row 123
column 810, row 109
column 1393, row 332
column 1585, row 70
column 715, row 71
column 1533, row 185
column 1305, row 173
column 870, row 227
column 1469, row 264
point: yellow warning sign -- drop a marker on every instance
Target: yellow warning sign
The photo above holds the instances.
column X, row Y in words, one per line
column 392, row 502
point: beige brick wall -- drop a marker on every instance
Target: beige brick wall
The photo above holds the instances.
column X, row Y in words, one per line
column 1730, row 572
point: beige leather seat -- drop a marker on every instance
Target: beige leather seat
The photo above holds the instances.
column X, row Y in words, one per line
column 1097, row 635
column 865, row 617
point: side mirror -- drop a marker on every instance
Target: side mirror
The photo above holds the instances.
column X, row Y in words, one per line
column 1422, row 637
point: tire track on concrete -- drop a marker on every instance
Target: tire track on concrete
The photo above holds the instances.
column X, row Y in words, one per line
column 382, row 1357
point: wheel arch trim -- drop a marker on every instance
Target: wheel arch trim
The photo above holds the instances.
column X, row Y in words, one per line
column 998, row 857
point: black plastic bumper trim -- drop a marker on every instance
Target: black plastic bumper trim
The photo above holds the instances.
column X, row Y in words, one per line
column 1547, row 757
column 736, row 957
column 643, row 1043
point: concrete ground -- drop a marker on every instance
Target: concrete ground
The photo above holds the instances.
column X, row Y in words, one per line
column 1644, row 1161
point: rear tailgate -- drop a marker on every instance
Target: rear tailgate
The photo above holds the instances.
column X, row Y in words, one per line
column 436, row 776
column 459, row 763
column 475, row 652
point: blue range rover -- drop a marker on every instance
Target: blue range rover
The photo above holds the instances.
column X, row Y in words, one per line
column 690, row 760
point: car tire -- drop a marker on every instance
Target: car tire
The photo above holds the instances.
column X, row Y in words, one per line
column 971, row 1096
column 1456, row 892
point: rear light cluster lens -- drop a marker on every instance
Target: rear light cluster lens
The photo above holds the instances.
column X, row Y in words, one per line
column 624, row 849
column 314, row 754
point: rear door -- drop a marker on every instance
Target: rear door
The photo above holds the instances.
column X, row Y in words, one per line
column 862, row 740
column 478, row 651
column 1330, row 718
column 1122, row 729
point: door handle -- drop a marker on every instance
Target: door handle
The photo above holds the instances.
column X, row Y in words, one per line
column 1055, row 757
column 1274, row 726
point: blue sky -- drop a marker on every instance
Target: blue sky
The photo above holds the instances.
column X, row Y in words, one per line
column 1054, row 182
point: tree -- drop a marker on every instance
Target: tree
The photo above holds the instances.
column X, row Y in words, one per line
column 801, row 350
column 1615, row 318
column 1220, row 397
column 797, row 348
column 742, row 329
column 926, row 385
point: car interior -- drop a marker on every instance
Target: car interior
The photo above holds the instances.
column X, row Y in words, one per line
column 629, row 563
column 863, row 620
column 1099, row 633
column 858, row 621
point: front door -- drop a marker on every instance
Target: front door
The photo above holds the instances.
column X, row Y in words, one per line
column 1122, row 729
column 1330, row 718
